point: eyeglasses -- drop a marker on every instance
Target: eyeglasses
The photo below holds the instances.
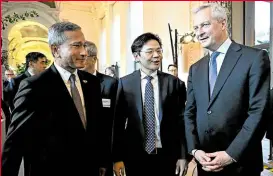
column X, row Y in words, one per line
column 151, row 52
column 172, row 70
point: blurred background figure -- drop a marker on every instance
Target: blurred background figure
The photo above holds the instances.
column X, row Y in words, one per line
column 110, row 71
column 108, row 91
column 9, row 74
column 172, row 69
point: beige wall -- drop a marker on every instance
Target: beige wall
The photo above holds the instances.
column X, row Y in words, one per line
column 156, row 16
column 82, row 17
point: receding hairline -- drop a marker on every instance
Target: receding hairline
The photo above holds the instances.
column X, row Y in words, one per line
column 217, row 11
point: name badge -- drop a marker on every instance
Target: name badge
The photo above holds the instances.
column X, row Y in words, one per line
column 106, row 103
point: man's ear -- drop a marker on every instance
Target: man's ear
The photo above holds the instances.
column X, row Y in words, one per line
column 55, row 51
column 136, row 56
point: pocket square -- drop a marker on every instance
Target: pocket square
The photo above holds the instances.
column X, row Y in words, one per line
column 84, row 81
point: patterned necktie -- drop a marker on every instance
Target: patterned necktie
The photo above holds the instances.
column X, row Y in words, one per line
column 77, row 98
column 149, row 116
column 213, row 71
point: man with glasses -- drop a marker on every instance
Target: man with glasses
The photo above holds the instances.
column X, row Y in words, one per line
column 172, row 69
column 56, row 122
column 227, row 100
column 148, row 129
column 109, row 91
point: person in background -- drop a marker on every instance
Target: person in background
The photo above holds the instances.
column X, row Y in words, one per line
column 227, row 100
column 110, row 71
column 35, row 64
column 108, row 91
column 172, row 69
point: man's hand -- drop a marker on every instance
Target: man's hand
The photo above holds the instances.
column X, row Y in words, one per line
column 221, row 159
column 102, row 171
column 119, row 168
column 201, row 156
column 181, row 167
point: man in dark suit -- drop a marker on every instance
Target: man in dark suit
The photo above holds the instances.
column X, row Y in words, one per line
column 225, row 117
column 35, row 64
column 148, row 130
column 56, row 123
column 108, row 91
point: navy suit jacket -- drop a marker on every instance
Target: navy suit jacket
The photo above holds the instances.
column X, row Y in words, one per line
column 233, row 119
column 128, row 137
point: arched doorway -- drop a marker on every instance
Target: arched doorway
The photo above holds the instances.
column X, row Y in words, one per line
column 26, row 37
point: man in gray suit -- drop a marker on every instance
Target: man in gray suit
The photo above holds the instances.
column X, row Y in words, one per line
column 227, row 100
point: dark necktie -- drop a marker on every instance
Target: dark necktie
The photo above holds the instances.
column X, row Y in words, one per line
column 149, row 116
column 213, row 71
column 77, row 99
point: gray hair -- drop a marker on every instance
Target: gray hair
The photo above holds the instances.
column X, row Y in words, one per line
column 91, row 48
column 56, row 34
column 218, row 12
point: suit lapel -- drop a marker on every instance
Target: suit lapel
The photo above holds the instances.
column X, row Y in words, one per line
column 99, row 75
column 138, row 95
column 229, row 62
column 203, row 81
column 163, row 89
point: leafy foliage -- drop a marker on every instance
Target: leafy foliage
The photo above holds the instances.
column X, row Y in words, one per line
column 16, row 17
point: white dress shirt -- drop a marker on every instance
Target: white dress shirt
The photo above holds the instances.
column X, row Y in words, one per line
column 65, row 76
column 156, row 102
column 223, row 51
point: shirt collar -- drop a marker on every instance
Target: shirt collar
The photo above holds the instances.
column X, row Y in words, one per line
column 143, row 75
column 223, row 48
column 95, row 73
column 66, row 74
column 30, row 72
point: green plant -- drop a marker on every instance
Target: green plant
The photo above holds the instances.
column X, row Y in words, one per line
column 12, row 19
column 16, row 17
column 21, row 68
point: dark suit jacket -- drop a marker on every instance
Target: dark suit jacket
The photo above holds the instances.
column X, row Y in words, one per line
column 233, row 119
column 10, row 91
column 47, row 131
column 109, row 87
column 128, row 137
column 269, row 133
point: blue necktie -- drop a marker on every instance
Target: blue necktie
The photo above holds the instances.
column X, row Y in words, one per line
column 149, row 116
column 213, row 71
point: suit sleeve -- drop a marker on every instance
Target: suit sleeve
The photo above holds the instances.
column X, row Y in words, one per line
column 181, row 88
column 19, row 132
column 190, row 116
column 254, row 126
column 119, row 124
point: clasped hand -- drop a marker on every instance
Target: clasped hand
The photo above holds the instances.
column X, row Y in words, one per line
column 213, row 162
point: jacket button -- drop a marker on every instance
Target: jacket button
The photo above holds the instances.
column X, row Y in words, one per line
column 206, row 131
column 209, row 112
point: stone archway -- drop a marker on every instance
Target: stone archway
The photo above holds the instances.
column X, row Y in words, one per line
column 21, row 37
column 26, row 37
